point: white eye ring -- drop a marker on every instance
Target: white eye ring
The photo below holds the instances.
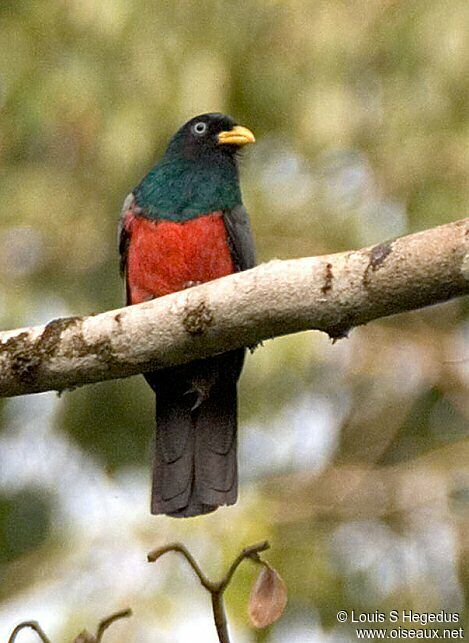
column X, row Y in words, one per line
column 200, row 128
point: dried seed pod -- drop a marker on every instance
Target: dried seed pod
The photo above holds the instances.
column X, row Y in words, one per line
column 268, row 597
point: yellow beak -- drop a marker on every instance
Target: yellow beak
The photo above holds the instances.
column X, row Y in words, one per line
column 239, row 135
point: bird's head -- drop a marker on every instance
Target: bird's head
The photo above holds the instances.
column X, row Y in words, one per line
column 198, row 172
column 209, row 135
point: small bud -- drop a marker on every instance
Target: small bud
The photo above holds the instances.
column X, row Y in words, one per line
column 268, row 598
column 85, row 637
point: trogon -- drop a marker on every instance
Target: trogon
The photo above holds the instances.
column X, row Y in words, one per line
column 183, row 225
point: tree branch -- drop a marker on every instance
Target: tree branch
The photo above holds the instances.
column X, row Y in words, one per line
column 332, row 293
column 216, row 589
column 84, row 637
column 34, row 625
column 107, row 622
column 179, row 547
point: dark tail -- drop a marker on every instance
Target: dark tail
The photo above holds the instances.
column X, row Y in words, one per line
column 195, row 460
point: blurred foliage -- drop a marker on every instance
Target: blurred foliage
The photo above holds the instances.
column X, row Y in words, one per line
column 17, row 513
column 125, row 427
column 354, row 457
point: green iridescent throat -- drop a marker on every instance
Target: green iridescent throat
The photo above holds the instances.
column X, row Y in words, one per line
column 179, row 189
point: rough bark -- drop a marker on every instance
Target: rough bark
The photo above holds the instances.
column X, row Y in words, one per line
column 332, row 293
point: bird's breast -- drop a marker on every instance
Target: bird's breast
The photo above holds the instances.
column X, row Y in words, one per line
column 165, row 256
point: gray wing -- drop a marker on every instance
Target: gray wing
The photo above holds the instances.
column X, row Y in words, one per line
column 123, row 236
column 129, row 210
column 240, row 238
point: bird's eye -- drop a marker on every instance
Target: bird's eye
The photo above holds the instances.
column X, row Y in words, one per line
column 200, row 128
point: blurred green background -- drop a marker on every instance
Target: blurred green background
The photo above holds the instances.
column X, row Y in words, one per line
column 354, row 457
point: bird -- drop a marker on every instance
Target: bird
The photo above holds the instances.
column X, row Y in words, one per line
column 183, row 225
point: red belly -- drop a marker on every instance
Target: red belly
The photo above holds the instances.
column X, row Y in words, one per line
column 165, row 257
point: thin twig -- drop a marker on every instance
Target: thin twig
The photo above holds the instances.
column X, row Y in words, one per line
column 106, row 622
column 102, row 627
column 179, row 547
column 251, row 552
column 216, row 589
column 219, row 617
column 34, row 625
